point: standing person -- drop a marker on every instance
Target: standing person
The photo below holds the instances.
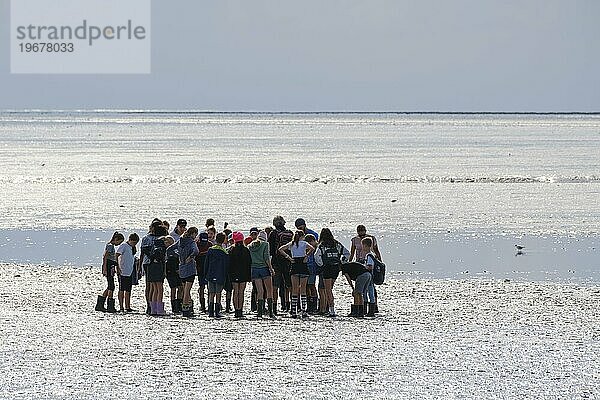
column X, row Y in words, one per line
column 358, row 254
column 358, row 273
column 228, row 287
column 179, row 229
column 239, row 271
column 311, row 288
column 330, row 255
column 209, row 222
column 300, row 224
column 126, row 268
column 253, row 234
column 154, row 260
column 203, row 246
column 216, row 265
column 109, row 264
column 173, row 279
column 262, row 271
column 188, row 250
column 300, row 250
column 281, row 280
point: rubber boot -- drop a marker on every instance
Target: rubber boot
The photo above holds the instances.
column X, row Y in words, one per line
column 360, row 311
column 353, row 311
column 271, row 308
column 110, row 306
column 202, row 304
column 375, row 308
column 187, row 311
column 218, row 310
column 100, row 303
column 174, row 306
column 211, row 309
column 227, row 306
column 160, row 308
column 253, row 299
column 274, row 302
column 148, row 309
column 260, row 308
column 180, row 306
column 152, row 308
column 370, row 309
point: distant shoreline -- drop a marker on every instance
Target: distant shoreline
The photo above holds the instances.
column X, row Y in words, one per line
column 124, row 111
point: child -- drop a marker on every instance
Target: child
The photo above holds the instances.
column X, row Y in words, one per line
column 216, row 265
column 311, row 288
column 109, row 262
column 173, row 279
column 203, row 246
column 126, row 268
column 261, row 272
column 239, row 271
column 188, row 250
column 300, row 250
column 360, row 274
column 329, row 255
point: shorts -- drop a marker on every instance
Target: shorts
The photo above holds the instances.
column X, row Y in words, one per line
column 299, row 267
column 260, row 273
column 174, row 280
column 111, row 282
column 189, row 279
column 312, row 279
column 331, row 272
column 124, row 283
column 362, row 283
column 155, row 272
column 214, row 287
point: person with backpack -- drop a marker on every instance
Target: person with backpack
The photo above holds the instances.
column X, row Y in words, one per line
column 188, row 250
column 203, row 245
column 154, row 260
column 278, row 237
column 358, row 254
column 360, row 274
column 299, row 251
column 172, row 274
column 329, row 255
column 239, row 271
column 216, row 265
column 311, row 289
column 109, row 264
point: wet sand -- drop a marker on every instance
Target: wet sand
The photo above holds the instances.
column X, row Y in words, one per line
column 435, row 338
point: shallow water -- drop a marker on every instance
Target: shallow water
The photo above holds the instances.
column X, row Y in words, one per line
column 434, row 339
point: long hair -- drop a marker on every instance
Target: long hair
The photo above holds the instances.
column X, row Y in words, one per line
column 192, row 232
column 326, row 238
column 297, row 236
column 117, row 236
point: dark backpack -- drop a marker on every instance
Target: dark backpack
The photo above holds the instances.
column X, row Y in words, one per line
column 158, row 251
column 378, row 272
column 330, row 256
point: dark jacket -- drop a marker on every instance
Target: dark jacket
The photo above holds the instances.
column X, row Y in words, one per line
column 216, row 265
column 239, row 264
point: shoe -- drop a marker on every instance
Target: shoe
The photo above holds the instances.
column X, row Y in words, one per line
column 227, row 306
column 274, row 306
column 129, row 310
column 271, row 308
column 100, row 304
column 370, row 309
column 353, row 310
column 153, row 308
column 211, row 309
column 218, row 310
column 202, row 304
column 187, row 311
column 360, row 311
column 160, row 308
column 110, row 305
column 148, row 309
column 260, row 308
column 304, row 314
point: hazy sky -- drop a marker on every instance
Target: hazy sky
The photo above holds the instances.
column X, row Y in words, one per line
column 533, row 55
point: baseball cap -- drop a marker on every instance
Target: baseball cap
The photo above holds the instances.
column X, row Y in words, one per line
column 181, row 222
column 203, row 237
column 254, row 230
column 300, row 222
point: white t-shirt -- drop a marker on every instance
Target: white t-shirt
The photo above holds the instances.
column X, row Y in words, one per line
column 300, row 250
column 126, row 260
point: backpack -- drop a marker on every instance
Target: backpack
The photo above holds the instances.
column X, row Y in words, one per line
column 378, row 271
column 158, row 251
column 330, row 256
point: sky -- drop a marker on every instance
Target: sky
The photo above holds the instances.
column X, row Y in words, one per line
column 314, row 55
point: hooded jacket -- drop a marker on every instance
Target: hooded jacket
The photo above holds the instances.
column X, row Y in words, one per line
column 259, row 252
column 187, row 250
column 216, row 265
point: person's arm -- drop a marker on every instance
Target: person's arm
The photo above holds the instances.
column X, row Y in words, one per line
column 376, row 249
column 349, row 281
column 118, row 264
column 369, row 263
column 267, row 258
column 345, row 254
column 104, row 263
column 282, row 250
column 352, row 251
column 309, row 249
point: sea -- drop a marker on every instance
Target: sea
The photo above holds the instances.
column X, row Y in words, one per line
column 448, row 196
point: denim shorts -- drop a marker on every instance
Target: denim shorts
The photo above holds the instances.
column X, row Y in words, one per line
column 362, row 284
column 260, row 273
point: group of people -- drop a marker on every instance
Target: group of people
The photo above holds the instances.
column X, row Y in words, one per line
column 281, row 264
